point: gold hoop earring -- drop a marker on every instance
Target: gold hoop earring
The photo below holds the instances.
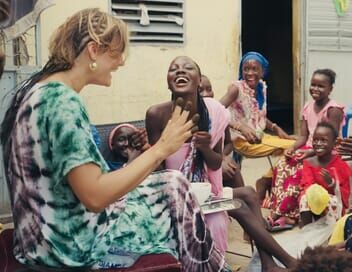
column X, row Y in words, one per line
column 93, row 66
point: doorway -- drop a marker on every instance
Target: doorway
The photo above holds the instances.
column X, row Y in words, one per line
column 267, row 29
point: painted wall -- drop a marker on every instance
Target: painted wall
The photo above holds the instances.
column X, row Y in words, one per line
column 211, row 38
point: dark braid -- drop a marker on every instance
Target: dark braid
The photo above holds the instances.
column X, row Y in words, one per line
column 328, row 125
column 10, row 115
column 203, row 125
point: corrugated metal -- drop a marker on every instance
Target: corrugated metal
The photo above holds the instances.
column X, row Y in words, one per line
column 325, row 29
column 152, row 21
column 326, row 43
column 7, row 81
column 11, row 78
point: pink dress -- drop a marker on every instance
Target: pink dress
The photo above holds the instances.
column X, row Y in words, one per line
column 313, row 118
column 219, row 120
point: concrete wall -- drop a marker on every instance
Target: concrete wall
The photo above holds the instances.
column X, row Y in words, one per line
column 211, row 38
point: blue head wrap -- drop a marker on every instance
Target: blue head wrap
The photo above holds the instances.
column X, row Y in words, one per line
column 265, row 66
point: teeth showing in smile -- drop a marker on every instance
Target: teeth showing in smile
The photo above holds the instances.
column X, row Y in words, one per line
column 181, row 80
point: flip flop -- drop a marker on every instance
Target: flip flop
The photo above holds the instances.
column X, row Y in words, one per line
column 266, row 203
column 280, row 224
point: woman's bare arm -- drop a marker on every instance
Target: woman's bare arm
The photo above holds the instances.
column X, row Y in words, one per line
column 97, row 190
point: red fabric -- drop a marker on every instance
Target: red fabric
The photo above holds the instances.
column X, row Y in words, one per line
column 147, row 263
column 339, row 172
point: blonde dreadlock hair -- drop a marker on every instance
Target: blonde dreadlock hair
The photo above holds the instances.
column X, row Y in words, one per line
column 66, row 44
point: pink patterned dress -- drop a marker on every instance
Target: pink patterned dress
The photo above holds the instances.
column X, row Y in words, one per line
column 246, row 108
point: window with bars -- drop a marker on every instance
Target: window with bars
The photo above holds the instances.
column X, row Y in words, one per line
column 152, row 21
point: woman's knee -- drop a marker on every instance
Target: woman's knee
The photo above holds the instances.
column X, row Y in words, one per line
column 241, row 211
column 246, row 193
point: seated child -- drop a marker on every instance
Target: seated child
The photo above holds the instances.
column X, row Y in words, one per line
column 205, row 88
column 329, row 171
column 231, row 173
column 126, row 143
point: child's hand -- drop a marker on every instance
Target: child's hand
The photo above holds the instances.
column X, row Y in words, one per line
column 326, row 176
column 289, row 152
column 139, row 138
column 303, row 154
column 250, row 135
column 202, row 140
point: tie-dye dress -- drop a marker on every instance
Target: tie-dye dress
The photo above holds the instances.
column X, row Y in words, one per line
column 52, row 136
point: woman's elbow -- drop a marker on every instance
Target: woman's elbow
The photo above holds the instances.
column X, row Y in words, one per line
column 215, row 166
column 94, row 206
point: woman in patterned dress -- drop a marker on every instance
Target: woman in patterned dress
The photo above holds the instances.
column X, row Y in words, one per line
column 68, row 210
column 201, row 156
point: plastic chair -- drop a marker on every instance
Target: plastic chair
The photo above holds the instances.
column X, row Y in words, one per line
column 346, row 128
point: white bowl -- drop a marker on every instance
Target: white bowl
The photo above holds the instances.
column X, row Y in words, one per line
column 202, row 190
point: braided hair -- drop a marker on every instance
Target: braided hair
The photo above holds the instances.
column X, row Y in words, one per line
column 66, row 44
column 203, row 125
column 328, row 73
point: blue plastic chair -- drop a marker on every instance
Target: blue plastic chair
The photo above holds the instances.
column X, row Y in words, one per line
column 346, row 127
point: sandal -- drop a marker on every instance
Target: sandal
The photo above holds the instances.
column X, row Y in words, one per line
column 266, row 203
column 280, row 224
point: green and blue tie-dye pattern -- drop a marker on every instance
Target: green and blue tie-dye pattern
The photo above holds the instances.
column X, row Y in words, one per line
column 66, row 141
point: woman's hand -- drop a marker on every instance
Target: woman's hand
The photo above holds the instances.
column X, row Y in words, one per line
column 177, row 130
column 202, row 141
column 139, row 139
column 229, row 168
column 250, row 134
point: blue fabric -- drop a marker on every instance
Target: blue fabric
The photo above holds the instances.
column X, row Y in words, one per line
column 96, row 136
column 265, row 66
column 348, row 233
column 114, row 165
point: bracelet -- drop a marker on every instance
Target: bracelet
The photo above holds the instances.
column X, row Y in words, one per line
column 273, row 125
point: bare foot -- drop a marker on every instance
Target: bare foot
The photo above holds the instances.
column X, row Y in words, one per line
column 290, row 221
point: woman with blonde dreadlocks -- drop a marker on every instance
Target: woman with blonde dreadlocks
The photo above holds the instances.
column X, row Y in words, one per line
column 70, row 210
